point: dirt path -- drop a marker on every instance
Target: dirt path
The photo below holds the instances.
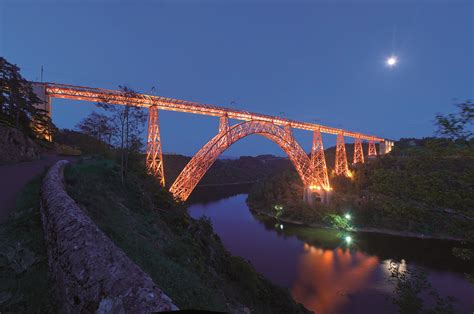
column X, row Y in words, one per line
column 14, row 177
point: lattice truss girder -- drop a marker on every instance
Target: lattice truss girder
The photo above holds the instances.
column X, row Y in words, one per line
column 164, row 103
column 341, row 166
column 207, row 155
column 154, row 154
column 318, row 162
column 372, row 149
column 358, row 151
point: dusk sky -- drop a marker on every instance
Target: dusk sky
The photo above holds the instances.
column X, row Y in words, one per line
column 320, row 61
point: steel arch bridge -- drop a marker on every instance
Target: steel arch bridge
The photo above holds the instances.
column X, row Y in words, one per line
column 311, row 169
column 207, row 155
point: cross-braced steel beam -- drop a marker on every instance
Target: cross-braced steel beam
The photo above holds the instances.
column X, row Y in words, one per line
column 154, row 155
column 341, row 158
column 318, row 162
column 372, row 149
column 358, row 151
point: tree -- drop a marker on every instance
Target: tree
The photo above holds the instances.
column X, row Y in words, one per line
column 17, row 103
column 98, row 126
column 457, row 126
column 127, row 121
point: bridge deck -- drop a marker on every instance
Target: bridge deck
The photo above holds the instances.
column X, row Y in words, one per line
column 118, row 97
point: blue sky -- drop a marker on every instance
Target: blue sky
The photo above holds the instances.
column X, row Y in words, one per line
column 306, row 60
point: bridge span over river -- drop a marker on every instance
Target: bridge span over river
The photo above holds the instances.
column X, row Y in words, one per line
column 311, row 169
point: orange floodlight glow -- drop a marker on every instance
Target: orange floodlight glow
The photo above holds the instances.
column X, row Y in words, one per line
column 341, row 167
column 358, row 151
column 312, row 171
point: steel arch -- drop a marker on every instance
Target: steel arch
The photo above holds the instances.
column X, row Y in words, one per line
column 207, row 155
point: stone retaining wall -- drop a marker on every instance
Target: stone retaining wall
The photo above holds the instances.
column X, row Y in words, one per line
column 90, row 273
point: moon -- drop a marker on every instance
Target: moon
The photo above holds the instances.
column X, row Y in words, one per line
column 391, row 61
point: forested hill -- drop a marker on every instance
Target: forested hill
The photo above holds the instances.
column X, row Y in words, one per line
column 423, row 185
column 224, row 171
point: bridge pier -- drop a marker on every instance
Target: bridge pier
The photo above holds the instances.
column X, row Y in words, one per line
column 318, row 161
column 386, row 147
column 358, row 151
column 154, row 155
column 40, row 90
column 341, row 167
column 372, row 150
column 312, row 196
column 45, row 104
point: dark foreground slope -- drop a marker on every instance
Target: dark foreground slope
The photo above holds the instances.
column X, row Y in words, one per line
column 183, row 256
column 25, row 285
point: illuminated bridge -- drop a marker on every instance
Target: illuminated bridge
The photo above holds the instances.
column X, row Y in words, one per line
column 312, row 170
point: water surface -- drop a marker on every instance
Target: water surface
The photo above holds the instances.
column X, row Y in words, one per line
column 323, row 271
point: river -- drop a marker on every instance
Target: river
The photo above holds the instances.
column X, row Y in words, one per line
column 327, row 271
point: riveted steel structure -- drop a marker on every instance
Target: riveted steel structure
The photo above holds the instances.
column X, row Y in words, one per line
column 372, row 149
column 312, row 171
column 358, row 151
column 341, row 166
column 207, row 155
column 318, row 162
column 154, row 154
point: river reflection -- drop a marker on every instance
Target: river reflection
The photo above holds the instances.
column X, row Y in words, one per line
column 325, row 272
column 332, row 276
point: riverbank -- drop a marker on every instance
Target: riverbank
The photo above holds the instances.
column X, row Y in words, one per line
column 422, row 190
column 397, row 233
column 325, row 272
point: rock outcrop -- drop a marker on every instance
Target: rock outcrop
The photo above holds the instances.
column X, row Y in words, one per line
column 91, row 274
column 16, row 146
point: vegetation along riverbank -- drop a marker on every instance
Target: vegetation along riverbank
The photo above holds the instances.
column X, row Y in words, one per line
column 423, row 187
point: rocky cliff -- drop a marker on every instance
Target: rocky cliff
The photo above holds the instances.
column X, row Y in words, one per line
column 16, row 146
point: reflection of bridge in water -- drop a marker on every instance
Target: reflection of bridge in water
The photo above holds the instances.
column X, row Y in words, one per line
column 312, row 170
column 331, row 275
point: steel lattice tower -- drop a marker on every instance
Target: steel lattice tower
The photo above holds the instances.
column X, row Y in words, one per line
column 341, row 158
column 358, row 151
column 318, row 161
column 154, row 156
column 372, row 149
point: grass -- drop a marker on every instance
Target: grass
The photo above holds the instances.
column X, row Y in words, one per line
column 25, row 285
column 183, row 256
column 120, row 214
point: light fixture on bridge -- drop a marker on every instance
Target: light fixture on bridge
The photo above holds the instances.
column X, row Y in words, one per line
column 347, row 216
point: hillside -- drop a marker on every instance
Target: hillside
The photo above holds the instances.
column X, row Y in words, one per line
column 224, row 171
column 424, row 186
column 183, row 256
